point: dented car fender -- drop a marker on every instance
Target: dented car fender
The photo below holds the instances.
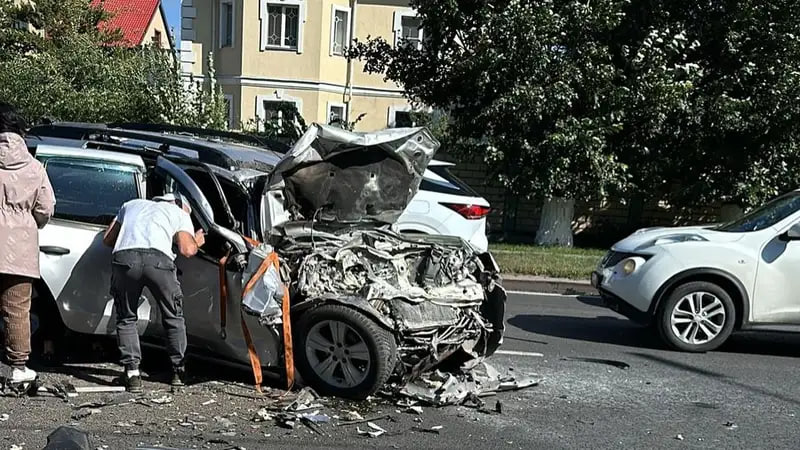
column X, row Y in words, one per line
column 357, row 303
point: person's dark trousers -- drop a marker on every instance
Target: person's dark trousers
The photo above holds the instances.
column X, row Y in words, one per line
column 132, row 271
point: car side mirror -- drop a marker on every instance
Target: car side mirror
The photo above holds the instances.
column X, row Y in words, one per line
column 792, row 234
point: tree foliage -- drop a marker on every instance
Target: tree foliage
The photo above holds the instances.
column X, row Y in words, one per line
column 68, row 68
column 686, row 100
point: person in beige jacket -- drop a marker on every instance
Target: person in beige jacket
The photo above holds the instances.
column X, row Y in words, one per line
column 26, row 204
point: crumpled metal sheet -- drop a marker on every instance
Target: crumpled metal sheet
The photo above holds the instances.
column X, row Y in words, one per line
column 441, row 388
column 334, row 175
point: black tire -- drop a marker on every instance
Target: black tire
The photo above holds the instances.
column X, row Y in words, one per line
column 380, row 344
column 664, row 324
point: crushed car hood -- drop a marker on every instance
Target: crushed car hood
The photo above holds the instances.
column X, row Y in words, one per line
column 647, row 238
column 338, row 176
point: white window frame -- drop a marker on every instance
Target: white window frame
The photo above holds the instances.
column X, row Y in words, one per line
column 347, row 38
column 231, row 115
column 277, row 96
column 393, row 110
column 330, row 107
column 264, row 17
column 398, row 26
column 232, row 25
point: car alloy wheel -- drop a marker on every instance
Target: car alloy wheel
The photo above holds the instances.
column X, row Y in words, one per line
column 698, row 318
column 338, row 354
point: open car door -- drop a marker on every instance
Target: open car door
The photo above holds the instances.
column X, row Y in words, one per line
column 214, row 321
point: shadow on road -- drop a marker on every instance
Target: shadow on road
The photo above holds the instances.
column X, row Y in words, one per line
column 602, row 329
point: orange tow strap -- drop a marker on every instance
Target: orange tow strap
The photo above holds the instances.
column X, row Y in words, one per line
column 255, row 362
column 223, row 296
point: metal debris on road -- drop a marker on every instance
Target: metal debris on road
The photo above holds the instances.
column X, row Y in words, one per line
column 371, row 419
column 163, row 400
column 679, row 437
column 209, row 402
column 4, row 417
column 224, row 422
column 352, row 416
column 84, row 413
column 262, row 415
column 414, row 410
column 374, row 431
column 608, row 362
column 434, row 430
column 441, row 388
column 731, row 425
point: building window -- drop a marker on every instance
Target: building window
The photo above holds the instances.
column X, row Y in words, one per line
column 283, row 26
column 340, row 30
column 157, row 38
column 229, row 111
column 401, row 117
column 336, row 113
column 408, row 29
column 227, row 24
column 270, row 109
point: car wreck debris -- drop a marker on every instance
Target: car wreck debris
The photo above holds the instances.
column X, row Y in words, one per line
column 68, row 438
column 373, row 431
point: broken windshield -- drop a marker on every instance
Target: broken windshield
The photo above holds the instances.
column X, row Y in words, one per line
column 766, row 216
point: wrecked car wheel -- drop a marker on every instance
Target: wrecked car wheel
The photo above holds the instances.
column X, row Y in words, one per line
column 342, row 352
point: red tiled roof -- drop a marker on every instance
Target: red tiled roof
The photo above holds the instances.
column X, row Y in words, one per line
column 132, row 17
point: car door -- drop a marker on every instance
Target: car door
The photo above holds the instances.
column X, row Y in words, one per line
column 777, row 288
column 200, row 282
column 75, row 265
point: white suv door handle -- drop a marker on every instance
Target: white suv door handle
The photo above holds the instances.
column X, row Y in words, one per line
column 54, row 250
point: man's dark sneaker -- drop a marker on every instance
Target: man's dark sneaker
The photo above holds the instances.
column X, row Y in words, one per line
column 133, row 383
column 178, row 377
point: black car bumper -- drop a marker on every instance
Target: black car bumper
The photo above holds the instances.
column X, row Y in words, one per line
column 617, row 304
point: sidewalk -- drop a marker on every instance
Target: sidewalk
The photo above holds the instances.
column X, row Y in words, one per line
column 546, row 285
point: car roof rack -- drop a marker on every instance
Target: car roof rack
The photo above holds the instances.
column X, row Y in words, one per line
column 101, row 133
column 247, row 138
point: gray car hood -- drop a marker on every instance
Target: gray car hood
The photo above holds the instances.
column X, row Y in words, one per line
column 334, row 175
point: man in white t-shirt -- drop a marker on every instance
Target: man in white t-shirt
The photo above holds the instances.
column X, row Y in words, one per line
column 143, row 235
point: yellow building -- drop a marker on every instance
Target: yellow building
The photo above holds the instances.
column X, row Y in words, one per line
column 272, row 51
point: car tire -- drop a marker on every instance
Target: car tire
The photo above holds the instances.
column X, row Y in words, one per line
column 681, row 329
column 325, row 361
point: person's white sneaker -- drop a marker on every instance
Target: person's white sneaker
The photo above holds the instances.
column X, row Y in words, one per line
column 22, row 375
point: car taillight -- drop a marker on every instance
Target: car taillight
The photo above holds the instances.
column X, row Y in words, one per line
column 471, row 212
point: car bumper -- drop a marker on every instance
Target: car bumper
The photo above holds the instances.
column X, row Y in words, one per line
column 618, row 304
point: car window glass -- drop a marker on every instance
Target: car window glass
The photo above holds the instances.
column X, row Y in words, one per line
column 766, row 216
column 90, row 191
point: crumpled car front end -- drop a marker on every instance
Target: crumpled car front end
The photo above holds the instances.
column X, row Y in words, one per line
column 372, row 305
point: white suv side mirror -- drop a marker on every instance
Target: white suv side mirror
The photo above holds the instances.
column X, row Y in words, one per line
column 792, row 234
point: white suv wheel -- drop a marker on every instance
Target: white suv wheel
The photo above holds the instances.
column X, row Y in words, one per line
column 697, row 316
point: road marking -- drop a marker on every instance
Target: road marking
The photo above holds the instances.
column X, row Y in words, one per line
column 516, row 353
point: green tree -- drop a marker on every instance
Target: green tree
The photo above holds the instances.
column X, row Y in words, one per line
column 69, row 68
column 528, row 86
column 712, row 91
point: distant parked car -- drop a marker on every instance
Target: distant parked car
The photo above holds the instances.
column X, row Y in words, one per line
column 696, row 285
column 446, row 205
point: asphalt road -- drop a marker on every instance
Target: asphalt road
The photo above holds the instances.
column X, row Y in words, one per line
column 744, row 396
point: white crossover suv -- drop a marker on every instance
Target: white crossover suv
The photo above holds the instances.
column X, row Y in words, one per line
column 696, row 285
column 446, row 205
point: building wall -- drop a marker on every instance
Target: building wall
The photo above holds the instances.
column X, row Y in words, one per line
column 311, row 73
column 157, row 24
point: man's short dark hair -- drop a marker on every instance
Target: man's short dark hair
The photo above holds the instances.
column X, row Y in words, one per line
column 11, row 121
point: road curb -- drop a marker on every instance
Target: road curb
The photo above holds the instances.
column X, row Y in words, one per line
column 547, row 285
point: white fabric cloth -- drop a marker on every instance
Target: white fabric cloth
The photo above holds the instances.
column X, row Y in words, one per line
column 147, row 224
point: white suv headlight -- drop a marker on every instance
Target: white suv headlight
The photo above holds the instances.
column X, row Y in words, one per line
column 628, row 266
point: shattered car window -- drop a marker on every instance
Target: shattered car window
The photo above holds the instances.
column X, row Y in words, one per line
column 88, row 191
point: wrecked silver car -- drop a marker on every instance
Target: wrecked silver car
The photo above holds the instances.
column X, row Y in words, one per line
column 302, row 255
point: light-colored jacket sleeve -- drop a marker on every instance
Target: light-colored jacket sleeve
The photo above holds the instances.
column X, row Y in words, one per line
column 45, row 204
